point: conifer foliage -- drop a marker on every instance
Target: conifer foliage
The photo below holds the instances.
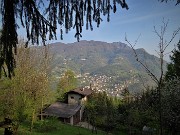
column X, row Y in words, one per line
column 173, row 67
column 67, row 13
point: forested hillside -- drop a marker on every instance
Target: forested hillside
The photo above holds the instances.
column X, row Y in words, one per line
column 115, row 61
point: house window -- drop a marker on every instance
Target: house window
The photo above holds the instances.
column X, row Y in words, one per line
column 72, row 97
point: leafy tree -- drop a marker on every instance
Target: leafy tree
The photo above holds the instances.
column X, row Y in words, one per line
column 24, row 95
column 170, row 94
column 101, row 111
column 142, row 110
column 111, row 115
column 173, row 68
column 33, row 80
column 67, row 82
column 170, row 106
column 6, row 99
column 124, row 109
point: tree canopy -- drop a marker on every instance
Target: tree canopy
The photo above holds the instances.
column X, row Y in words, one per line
column 173, row 67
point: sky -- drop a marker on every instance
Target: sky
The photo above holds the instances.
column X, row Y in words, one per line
column 140, row 19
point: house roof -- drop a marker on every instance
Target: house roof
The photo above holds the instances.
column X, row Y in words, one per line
column 62, row 110
column 82, row 91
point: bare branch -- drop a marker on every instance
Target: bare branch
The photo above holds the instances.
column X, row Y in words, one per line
column 172, row 38
column 155, row 79
column 137, row 40
column 163, row 44
column 155, row 31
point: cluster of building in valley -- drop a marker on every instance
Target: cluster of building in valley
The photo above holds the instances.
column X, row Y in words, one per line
column 104, row 83
column 72, row 110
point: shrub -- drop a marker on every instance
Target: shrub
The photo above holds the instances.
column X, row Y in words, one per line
column 47, row 125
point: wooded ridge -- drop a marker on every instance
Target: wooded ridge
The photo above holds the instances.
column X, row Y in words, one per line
column 96, row 58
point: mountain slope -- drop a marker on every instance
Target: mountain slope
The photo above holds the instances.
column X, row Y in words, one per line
column 113, row 60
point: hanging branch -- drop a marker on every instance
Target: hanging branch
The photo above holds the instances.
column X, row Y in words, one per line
column 8, row 37
column 38, row 27
column 91, row 9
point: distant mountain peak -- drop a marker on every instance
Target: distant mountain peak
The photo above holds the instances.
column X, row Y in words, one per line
column 115, row 60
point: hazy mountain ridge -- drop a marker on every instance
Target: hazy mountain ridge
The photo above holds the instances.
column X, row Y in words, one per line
column 101, row 58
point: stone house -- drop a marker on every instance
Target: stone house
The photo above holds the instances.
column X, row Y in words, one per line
column 78, row 96
column 72, row 111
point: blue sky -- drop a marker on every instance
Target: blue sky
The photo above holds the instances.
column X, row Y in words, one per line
column 141, row 17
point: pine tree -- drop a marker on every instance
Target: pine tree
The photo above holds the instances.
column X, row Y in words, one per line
column 173, row 68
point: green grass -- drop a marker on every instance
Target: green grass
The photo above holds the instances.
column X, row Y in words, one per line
column 58, row 129
column 55, row 128
column 63, row 129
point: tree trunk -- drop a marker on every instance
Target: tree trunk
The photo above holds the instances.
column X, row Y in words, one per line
column 32, row 121
column 8, row 129
column 41, row 117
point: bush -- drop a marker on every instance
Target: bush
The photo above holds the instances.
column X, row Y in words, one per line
column 47, row 125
